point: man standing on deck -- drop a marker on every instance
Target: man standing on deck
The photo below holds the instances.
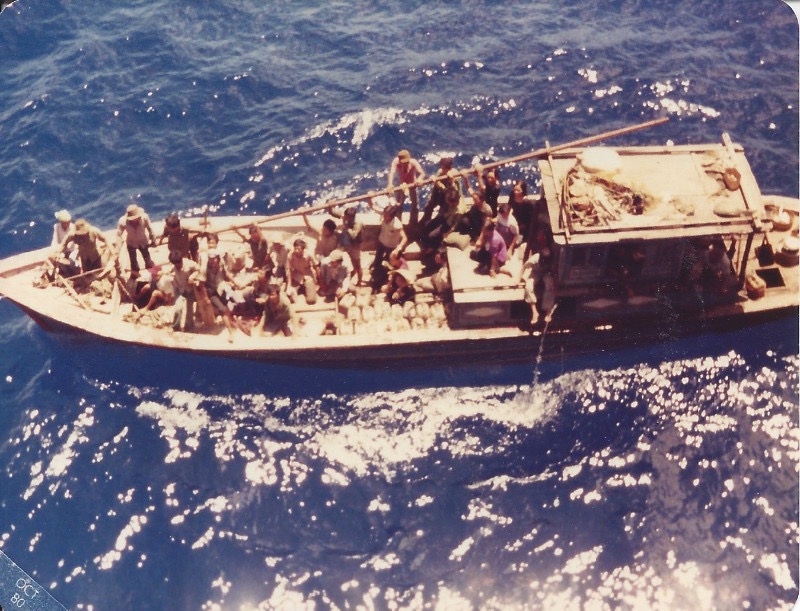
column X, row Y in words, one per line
column 410, row 173
column 136, row 224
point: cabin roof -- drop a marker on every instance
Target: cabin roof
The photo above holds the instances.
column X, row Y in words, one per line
column 680, row 193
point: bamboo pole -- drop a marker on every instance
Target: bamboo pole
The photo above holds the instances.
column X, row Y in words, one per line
column 541, row 152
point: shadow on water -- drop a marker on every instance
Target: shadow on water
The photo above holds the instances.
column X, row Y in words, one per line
column 140, row 366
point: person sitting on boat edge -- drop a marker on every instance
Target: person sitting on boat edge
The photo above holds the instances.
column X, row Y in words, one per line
column 278, row 316
column 490, row 251
column 184, row 277
column 540, row 293
column 410, row 173
column 139, row 235
column 334, row 276
column 301, row 273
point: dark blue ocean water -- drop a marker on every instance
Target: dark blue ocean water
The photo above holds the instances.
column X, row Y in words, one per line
column 657, row 478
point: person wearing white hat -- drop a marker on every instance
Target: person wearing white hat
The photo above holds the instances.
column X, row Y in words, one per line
column 334, row 276
column 136, row 225
column 61, row 228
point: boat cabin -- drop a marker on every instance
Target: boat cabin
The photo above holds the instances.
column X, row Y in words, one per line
column 631, row 221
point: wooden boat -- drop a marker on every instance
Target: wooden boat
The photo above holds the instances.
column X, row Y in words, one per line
column 627, row 229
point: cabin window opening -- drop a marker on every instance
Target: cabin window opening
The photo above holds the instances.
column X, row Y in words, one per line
column 663, row 260
column 586, row 263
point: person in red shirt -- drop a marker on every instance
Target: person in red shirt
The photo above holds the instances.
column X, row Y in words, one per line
column 409, row 171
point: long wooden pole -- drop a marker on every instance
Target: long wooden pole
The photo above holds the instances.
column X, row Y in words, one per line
column 532, row 155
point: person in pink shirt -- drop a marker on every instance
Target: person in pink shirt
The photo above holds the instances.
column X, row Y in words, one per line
column 490, row 251
column 409, row 171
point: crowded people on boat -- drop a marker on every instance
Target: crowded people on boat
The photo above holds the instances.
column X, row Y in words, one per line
column 490, row 251
column 278, row 315
column 351, row 237
column 409, row 172
column 301, row 273
column 185, row 276
column 334, row 276
column 139, row 236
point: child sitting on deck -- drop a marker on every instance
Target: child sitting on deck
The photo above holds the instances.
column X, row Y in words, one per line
column 490, row 251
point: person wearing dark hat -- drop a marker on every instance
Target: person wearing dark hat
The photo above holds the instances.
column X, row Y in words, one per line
column 86, row 238
column 410, row 173
column 139, row 235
